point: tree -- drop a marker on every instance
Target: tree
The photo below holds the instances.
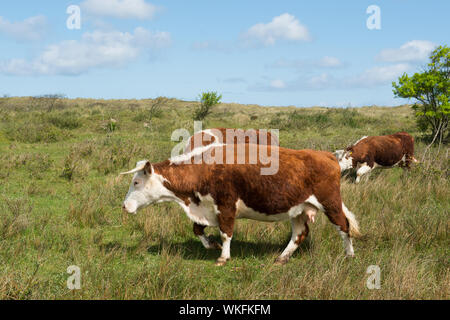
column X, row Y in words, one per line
column 155, row 109
column 207, row 101
column 431, row 90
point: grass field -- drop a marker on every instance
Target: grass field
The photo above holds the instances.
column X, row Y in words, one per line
column 60, row 198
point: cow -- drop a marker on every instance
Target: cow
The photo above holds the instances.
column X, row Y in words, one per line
column 220, row 136
column 216, row 193
column 369, row 153
column 226, row 136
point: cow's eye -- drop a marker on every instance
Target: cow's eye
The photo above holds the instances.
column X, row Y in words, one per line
column 136, row 183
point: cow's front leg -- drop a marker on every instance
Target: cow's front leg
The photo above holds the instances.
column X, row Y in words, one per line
column 208, row 243
column 300, row 231
column 361, row 171
column 226, row 226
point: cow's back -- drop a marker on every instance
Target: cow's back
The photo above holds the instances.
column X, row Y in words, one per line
column 301, row 174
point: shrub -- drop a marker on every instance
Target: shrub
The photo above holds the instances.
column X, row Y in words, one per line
column 115, row 154
column 67, row 120
column 35, row 164
column 154, row 111
column 74, row 166
column 111, row 125
column 207, row 101
column 14, row 217
column 34, row 132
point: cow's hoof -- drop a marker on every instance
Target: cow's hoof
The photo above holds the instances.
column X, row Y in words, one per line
column 281, row 261
column 350, row 255
column 221, row 262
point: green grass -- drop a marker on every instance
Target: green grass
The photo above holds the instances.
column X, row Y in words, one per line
column 60, row 197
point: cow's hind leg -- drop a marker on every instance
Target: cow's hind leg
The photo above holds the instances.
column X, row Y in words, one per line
column 300, row 231
column 208, row 243
column 335, row 213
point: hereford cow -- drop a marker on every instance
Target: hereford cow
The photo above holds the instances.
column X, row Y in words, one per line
column 226, row 136
column 378, row 151
column 219, row 136
column 216, row 193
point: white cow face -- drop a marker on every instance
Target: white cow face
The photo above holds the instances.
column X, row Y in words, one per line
column 344, row 158
column 146, row 188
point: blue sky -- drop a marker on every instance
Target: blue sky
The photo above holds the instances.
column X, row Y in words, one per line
column 300, row 53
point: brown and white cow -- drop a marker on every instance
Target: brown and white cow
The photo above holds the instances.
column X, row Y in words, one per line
column 227, row 136
column 377, row 151
column 219, row 136
column 217, row 193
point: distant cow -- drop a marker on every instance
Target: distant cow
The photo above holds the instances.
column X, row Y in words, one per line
column 377, row 151
column 216, row 194
column 226, row 136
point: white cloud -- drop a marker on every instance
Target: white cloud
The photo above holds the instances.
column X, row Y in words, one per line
column 373, row 77
column 283, row 27
column 124, row 9
column 96, row 49
column 416, row 50
column 278, row 84
column 33, row 28
column 379, row 75
column 321, row 81
column 329, row 62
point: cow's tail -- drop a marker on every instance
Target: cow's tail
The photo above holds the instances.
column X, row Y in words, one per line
column 354, row 226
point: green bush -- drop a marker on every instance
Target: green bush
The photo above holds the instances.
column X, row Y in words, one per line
column 207, row 101
column 75, row 166
column 431, row 91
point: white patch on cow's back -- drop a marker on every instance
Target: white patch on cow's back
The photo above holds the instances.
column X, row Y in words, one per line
column 244, row 212
column 360, row 140
column 197, row 151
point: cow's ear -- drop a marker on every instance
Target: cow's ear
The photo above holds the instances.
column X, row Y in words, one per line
column 148, row 169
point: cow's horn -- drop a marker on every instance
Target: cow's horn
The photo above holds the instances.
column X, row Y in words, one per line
column 139, row 167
